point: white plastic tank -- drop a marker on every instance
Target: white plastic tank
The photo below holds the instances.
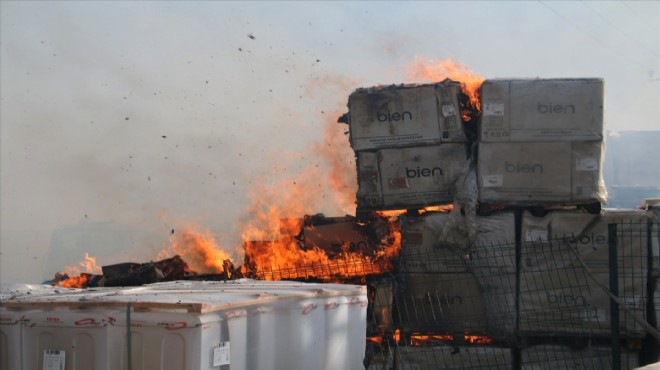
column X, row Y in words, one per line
column 241, row 324
column 12, row 321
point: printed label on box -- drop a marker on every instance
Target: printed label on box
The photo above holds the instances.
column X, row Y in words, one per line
column 54, row 359
column 587, row 164
column 491, row 181
column 221, row 354
column 536, row 236
column 494, row 109
column 448, row 110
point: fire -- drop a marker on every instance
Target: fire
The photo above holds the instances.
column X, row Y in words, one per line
column 72, row 282
column 73, row 277
column 198, row 248
column 273, row 249
column 342, row 178
column 425, row 340
column 430, row 70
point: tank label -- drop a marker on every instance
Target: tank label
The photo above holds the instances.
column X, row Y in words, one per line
column 221, row 354
column 54, row 359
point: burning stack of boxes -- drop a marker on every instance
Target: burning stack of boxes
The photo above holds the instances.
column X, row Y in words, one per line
column 522, row 251
column 410, row 145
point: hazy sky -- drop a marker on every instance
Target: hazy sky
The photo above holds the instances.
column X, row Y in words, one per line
column 147, row 114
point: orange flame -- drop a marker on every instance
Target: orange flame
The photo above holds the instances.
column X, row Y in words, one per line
column 88, row 264
column 74, row 282
column 198, row 248
column 339, row 156
column 430, row 70
column 270, row 237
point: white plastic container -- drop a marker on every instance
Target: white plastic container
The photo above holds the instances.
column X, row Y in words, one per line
column 10, row 337
column 76, row 339
column 11, row 322
column 241, row 324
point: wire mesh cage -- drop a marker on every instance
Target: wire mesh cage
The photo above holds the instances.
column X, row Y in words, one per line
column 514, row 303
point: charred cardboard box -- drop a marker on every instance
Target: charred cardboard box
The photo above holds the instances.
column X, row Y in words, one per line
column 541, row 110
column 400, row 116
column 336, row 234
column 453, row 357
column 536, row 173
column 410, row 177
column 441, row 303
column 434, row 246
column 558, row 293
column 564, row 357
column 379, row 310
column 437, row 242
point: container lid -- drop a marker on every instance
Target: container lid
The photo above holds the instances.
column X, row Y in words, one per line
column 186, row 296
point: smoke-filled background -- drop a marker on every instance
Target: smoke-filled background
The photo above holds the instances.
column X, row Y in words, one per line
column 120, row 121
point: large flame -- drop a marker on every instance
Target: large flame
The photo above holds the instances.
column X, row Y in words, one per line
column 431, row 70
column 198, row 248
column 339, row 157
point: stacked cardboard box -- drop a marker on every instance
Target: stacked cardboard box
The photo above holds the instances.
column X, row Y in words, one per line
column 563, row 257
column 410, row 145
column 541, row 142
column 453, row 284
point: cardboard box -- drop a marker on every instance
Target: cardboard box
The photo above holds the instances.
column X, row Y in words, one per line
column 441, row 303
column 410, row 177
column 567, row 358
column 401, row 116
column 542, row 110
column 453, row 357
column 428, row 243
column 334, row 238
column 379, row 311
column 428, row 246
column 558, row 293
column 541, row 173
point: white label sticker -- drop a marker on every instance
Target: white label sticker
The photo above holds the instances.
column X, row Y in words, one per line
column 492, row 181
column 536, row 236
column 587, row 164
column 54, row 359
column 494, row 109
column 221, row 354
column 448, row 110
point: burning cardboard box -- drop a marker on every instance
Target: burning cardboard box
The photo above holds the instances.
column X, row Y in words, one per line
column 542, row 110
column 410, row 177
column 400, row 116
column 558, row 293
column 541, row 173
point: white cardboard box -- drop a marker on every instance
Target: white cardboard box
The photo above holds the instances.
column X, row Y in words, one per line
column 410, row 177
column 542, row 110
column 541, row 173
column 400, row 116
